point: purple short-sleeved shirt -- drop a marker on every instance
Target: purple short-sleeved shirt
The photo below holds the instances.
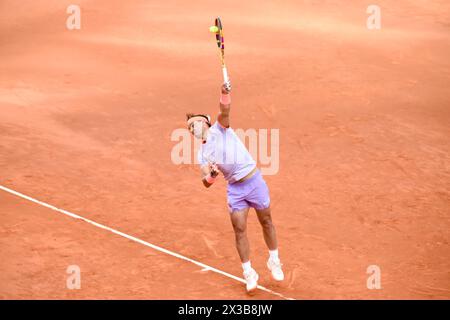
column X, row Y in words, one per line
column 224, row 147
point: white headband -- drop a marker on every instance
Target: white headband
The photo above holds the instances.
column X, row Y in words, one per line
column 196, row 118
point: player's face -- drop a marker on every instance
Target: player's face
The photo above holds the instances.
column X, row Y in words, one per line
column 198, row 129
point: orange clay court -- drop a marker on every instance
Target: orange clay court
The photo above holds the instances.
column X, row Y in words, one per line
column 86, row 118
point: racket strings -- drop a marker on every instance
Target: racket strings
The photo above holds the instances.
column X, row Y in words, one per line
column 220, row 41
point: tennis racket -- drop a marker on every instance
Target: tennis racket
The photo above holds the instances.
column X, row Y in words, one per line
column 221, row 46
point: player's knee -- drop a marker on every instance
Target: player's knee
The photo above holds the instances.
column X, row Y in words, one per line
column 240, row 230
column 266, row 222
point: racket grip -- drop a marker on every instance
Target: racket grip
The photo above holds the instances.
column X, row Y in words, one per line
column 225, row 74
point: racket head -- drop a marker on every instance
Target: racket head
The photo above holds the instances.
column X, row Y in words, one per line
column 219, row 35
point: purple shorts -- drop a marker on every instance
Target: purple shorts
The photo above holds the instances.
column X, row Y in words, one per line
column 252, row 192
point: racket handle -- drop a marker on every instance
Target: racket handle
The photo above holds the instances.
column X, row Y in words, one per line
column 225, row 74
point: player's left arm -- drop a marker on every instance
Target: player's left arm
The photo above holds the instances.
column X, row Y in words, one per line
column 225, row 105
column 210, row 172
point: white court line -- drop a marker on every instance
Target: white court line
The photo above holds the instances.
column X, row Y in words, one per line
column 145, row 243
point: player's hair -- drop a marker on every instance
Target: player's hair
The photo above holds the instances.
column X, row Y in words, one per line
column 206, row 116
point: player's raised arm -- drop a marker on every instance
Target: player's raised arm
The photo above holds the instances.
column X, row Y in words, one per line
column 225, row 105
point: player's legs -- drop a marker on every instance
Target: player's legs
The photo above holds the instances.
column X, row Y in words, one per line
column 265, row 219
column 239, row 222
column 270, row 237
column 259, row 199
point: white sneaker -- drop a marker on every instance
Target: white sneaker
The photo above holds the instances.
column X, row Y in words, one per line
column 251, row 279
column 275, row 267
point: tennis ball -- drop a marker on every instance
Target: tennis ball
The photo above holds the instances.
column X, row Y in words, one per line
column 213, row 29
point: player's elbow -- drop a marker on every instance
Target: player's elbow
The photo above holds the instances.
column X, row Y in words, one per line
column 224, row 120
column 225, row 109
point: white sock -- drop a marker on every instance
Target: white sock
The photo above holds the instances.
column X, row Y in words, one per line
column 247, row 266
column 273, row 254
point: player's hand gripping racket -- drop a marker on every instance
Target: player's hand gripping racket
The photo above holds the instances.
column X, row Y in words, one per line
column 213, row 169
column 218, row 30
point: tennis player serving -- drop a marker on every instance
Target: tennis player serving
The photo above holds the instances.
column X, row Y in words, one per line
column 222, row 151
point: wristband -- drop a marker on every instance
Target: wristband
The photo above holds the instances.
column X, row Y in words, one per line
column 225, row 98
column 210, row 179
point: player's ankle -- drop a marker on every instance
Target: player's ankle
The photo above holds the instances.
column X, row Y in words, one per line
column 246, row 266
column 273, row 255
